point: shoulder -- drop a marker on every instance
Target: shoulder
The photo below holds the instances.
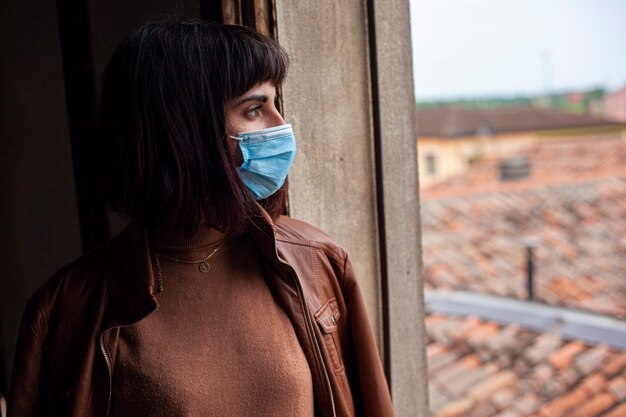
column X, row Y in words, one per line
column 297, row 232
column 71, row 289
column 85, row 269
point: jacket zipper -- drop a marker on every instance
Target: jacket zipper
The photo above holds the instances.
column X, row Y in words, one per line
column 319, row 351
column 312, row 328
column 108, row 360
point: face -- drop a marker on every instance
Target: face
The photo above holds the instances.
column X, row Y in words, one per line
column 253, row 110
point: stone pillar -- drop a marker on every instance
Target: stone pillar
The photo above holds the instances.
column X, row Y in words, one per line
column 398, row 194
column 349, row 96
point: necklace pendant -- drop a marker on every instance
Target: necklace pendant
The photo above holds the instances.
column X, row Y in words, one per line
column 204, row 267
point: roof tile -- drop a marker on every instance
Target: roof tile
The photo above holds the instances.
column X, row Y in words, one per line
column 501, row 341
column 593, row 384
column 619, row 411
column 563, row 404
column 540, row 375
column 508, row 413
column 567, row 378
column 436, row 397
column 439, row 361
column 469, row 379
column 526, row 405
column 502, row 399
column 452, row 371
column 591, row 360
column 456, row 409
column 617, row 387
column 485, row 410
column 483, row 390
column 566, row 354
column 543, row 347
column 434, row 349
column 616, row 365
column 482, row 334
column 554, row 387
column 595, row 406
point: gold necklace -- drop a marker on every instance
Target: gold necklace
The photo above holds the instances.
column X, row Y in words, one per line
column 204, row 266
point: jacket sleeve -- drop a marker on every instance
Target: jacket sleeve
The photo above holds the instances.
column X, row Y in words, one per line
column 375, row 399
column 23, row 400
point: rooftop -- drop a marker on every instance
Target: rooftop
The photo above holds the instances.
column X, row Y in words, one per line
column 571, row 208
column 490, row 354
column 482, row 368
column 456, row 121
column 563, row 161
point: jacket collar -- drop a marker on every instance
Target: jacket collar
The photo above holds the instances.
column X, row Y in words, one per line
column 262, row 231
column 130, row 280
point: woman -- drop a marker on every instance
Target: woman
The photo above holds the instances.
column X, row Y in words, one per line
column 210, row 303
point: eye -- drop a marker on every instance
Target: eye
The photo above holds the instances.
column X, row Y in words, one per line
column 254, row 112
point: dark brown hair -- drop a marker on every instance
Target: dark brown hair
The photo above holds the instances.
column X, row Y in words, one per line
column 162, row 155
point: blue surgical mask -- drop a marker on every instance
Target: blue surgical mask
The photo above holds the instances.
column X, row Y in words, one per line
column 267, row 157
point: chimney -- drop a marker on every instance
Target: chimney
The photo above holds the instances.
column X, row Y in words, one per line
column 514, row 168
column 530, row 244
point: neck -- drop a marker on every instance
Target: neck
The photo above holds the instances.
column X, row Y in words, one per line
column 173, row 239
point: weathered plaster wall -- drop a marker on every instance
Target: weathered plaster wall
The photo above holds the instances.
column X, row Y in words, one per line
column 400, row 192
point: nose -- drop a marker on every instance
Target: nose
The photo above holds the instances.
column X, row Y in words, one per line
column 276, row 117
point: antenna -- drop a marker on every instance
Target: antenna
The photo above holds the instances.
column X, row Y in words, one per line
column 546, row 59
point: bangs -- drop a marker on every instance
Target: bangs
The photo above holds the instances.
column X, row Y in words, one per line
column 252, row 60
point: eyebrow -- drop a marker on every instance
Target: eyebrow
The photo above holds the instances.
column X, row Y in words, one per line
column 259, row 97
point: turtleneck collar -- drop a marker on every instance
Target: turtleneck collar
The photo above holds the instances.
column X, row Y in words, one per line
column 177, row 241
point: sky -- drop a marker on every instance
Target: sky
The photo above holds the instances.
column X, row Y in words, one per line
column 475, row 48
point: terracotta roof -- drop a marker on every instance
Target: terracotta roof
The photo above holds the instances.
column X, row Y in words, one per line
column 479, row 368
column 474, row 229
column 563, row 161
column 454, row 121
column 573, row 207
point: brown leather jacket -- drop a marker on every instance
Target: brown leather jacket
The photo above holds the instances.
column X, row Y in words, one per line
column 66, row 348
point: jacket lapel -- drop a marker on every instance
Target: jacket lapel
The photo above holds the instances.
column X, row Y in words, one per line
column 130, row 278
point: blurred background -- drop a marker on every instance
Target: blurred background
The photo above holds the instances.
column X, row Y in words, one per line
column 521, row 118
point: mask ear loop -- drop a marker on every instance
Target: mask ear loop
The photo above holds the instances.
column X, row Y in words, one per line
column 235, row 137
